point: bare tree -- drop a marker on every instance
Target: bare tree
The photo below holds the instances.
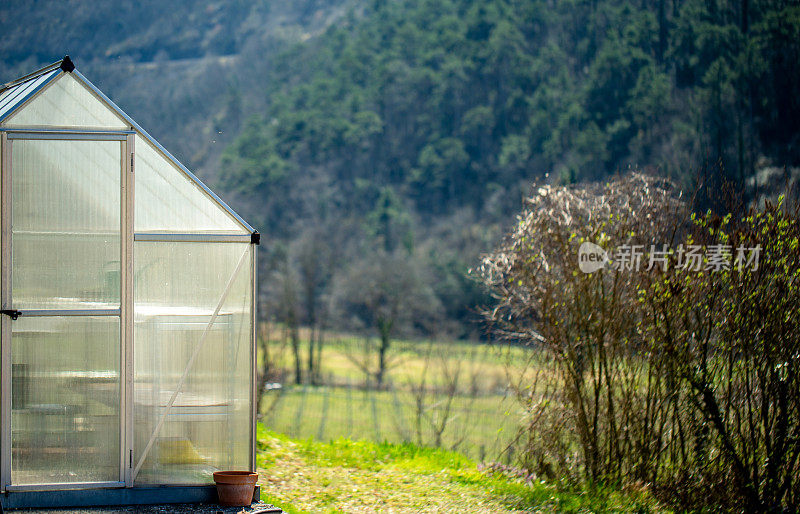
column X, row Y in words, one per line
column 282, row 284
column 387, row 293
column 314, row 265
column 438, row 406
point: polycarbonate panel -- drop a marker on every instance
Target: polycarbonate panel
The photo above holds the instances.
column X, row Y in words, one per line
column 66, row 224
column 167, row 201
column 178, row 286
column 66, row 102
column 65, row 391
column 12, row 97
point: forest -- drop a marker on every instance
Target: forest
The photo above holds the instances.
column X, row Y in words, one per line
column 363, row 137
column 404, row 136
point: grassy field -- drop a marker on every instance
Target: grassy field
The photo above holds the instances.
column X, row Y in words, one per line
column 483, row 368
column 452, row 395
column 346, row 476
column 416, row 444
column 481, row 427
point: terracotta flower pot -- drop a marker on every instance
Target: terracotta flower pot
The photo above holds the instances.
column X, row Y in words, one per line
column 235, row 488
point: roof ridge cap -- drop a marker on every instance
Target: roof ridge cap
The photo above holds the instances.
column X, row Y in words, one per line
column 61, row 63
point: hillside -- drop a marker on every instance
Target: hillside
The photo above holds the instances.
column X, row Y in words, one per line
column 384, row 145
column 187, row 70
column 414, row 127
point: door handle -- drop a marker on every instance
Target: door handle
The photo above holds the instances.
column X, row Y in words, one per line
column 11, row 313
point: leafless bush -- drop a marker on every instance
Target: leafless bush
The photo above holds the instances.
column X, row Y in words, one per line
column 681, row 377
column 588, row 323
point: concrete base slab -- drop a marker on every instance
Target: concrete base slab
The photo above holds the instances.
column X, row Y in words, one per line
column 112, row 497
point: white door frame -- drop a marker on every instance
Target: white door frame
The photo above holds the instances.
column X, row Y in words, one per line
column 125, row 312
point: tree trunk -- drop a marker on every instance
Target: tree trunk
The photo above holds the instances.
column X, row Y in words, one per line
column 318, row 361
column 385, row 329
column 745, row 21
column 294, row 336
column 312, row 376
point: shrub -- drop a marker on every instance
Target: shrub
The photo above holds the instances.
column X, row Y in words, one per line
column 681, row 378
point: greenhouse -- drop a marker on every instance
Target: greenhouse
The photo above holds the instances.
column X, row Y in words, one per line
column 128, row 332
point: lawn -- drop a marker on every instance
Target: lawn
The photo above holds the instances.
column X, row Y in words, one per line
column 409, row 446
column 449, row 394
column 303, row 475
column 481, row 426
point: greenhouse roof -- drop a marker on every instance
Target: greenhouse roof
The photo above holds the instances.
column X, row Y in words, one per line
column 16, row 94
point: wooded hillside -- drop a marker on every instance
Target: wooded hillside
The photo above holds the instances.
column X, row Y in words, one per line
column 408, row 131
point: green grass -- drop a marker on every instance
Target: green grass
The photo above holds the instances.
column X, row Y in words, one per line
column 303, row 475
column 481, row 423
column 280, row 503
column 480, row 427
column 356, row 450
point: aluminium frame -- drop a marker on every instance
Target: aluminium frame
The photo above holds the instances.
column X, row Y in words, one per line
column 5, row 321
column 125, row 312
column 175, row 237
column 126, row 296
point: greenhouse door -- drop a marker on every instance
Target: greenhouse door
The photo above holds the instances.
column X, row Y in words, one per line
column 64, row 290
